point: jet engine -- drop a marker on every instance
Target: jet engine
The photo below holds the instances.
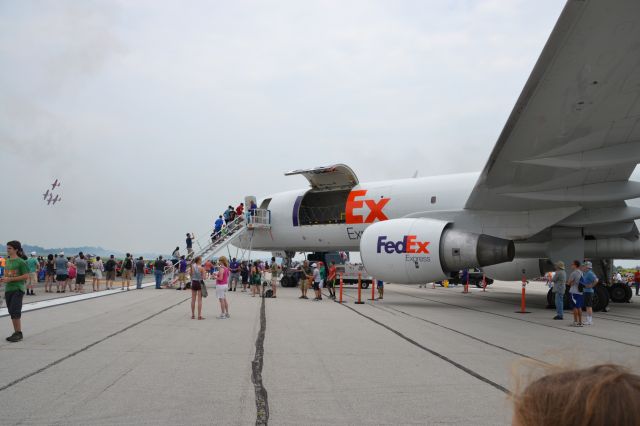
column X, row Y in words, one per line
column 514, row 270
column 413, row 251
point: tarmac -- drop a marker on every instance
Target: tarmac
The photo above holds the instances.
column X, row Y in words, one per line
column 421, row 356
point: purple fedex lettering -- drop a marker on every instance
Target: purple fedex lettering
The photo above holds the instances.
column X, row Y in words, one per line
column 381, row 243
column 406, row 245
column 390, row 246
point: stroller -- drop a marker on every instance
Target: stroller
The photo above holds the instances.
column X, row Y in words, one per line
column 268, row 292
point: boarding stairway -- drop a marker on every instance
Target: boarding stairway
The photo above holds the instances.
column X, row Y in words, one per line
column 248, row 223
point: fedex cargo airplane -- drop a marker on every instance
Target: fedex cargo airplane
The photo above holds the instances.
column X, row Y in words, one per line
column 555, row 186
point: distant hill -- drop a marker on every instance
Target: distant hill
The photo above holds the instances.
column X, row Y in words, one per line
column 96, row 251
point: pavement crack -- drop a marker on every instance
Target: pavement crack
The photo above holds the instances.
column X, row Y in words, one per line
column 262, row 402
column 89, row 346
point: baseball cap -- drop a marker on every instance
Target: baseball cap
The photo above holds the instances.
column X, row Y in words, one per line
column 588, row 264
column 313, row 265
column 33, row 253
column 61, row 253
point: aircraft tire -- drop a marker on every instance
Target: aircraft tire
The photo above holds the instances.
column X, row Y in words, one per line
column 629, row 293
column 618, row 293
column 551, row 301
column 600, row 298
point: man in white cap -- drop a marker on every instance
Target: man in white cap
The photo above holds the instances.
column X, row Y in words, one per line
column 316, row 281
column 559, row 281
column 589, row 280
column 32, row 264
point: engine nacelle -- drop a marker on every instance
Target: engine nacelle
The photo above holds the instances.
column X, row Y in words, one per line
column 514, row 270
column 413, row 251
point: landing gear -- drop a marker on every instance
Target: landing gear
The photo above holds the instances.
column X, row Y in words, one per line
column 600, row 298
column 289, row 275
column 620, row 293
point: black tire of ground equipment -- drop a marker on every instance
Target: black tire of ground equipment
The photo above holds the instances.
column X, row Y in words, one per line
column 618, row 293
column 365, row 284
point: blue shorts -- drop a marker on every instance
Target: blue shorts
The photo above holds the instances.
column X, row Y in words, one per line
column 577, row 300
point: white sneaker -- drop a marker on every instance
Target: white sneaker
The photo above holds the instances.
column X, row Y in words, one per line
column 222, row 316
column 227, row 316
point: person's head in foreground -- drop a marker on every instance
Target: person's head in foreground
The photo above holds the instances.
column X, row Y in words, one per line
column 603, row 395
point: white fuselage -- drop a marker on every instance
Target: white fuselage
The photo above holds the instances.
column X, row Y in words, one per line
column 364, row 205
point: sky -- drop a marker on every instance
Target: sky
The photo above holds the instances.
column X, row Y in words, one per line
column 157, row 115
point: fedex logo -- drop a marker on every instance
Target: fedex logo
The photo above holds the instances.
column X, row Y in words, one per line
column 408, row 244
column 356, row 201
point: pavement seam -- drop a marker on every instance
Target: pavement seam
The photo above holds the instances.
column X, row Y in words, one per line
column 262, row 401
column 520, row 319
column 434, row 353
column 89, row 346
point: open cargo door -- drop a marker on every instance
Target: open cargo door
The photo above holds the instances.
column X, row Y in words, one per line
column 328, row 178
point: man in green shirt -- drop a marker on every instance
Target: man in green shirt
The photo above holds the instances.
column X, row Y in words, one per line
column 16, row 274
column 32, row 264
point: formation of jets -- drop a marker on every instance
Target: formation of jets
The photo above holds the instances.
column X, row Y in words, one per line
column 48, row 196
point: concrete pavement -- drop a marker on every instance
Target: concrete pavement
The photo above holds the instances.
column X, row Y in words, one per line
column 421, row 356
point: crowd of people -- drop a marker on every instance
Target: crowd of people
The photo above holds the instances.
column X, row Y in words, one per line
column 223, row 223
column 568, row 396
column 21, row 274
column 71, row 272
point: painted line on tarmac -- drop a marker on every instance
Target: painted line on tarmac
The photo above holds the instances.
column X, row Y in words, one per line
column 262, row 401
column 58, row 301
column 89, row 346
column 434, row 353
column 520, row 319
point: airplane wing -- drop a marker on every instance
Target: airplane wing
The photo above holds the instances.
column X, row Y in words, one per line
column 573, row 137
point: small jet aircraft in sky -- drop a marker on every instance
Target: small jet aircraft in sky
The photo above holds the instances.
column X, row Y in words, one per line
column 45, row 195
column 55, row 184
column 50, row 199
column 56, row 199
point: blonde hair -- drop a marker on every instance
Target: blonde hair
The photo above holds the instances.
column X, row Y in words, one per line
column 602, row 395
column 224, row 261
